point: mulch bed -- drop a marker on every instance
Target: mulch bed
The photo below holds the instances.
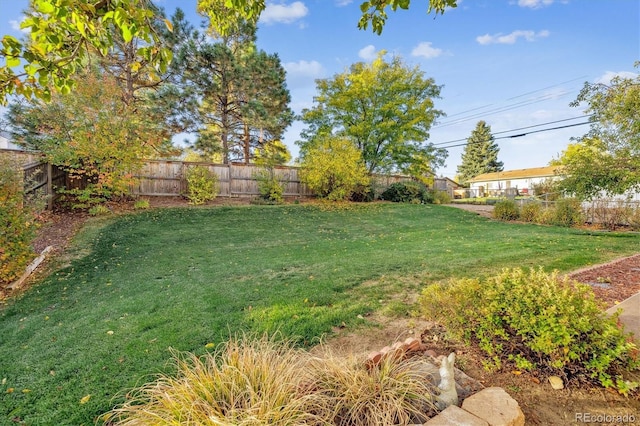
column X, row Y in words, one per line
column 612, row 282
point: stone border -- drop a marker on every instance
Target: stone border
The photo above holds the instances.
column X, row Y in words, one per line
column 32, row 267
column 489, row 406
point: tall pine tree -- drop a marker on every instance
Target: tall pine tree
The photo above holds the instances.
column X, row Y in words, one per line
column 480, row 154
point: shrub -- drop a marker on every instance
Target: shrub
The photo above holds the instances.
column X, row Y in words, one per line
column 269, row 187
column 633, row 218
column 141, row 204
column 506, row 210
column 568, row 212
column 407, row 192
column 441, row 197
column 546, row 216
column 202, row 185
column 529, row 212
column 333, row 168
column 99, row 210
column 17, row 224
column 537, row 321
column 363, row 193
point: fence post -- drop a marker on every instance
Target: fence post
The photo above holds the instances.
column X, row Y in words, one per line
column 49, row 186
column 230, row 178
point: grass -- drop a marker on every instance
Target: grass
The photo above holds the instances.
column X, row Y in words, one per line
column 186, row 278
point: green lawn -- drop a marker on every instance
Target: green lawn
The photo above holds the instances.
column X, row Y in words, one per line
column 183, row 278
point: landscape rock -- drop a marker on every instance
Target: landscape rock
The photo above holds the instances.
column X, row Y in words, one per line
column 495, row 406
column 454, row 415
column 556, row 382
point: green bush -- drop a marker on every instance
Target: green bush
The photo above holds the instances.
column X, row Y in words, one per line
column 506, row 210
column 529, row 212
column 269, row 187
column 17, row 224
column 536, row 321
column 407, row 192
column 202, row 185
column 333, row 168
column 440, row 197
column 141, row 204
column 568, row 212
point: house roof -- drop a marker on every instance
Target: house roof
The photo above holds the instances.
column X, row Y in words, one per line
column 536, row 172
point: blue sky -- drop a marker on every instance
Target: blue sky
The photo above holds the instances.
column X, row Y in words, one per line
column 512, row 63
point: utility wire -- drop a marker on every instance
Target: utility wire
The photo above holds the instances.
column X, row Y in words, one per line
column 521, row 134
column 517, row 129
column 505, row 108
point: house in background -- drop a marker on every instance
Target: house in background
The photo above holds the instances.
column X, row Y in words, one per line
column 445, row 184
column 5, row 142
column 512, row 181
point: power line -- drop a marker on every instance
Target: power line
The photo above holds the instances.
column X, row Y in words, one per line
column 517, row 129
column 509, row 107
column 522, row 134
column 502, row 109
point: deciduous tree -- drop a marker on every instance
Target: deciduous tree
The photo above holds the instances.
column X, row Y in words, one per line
column 480, row 154
column 93, row 134
column 607, row 158
column 64, row 32
column 385, row 109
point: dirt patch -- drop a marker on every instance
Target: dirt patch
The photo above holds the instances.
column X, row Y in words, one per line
column 482, row 210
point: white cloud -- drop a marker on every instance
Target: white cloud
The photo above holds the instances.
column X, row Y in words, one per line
column 15, row 25
column 426, row 50
column 282, row 13
column 534, row 4
column 368, row 53
column 610, row 75
column 304, row 69
column 341, row 3
column 512, row 38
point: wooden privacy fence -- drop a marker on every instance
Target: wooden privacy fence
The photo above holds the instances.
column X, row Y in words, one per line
column 167, row 178
column 42, row 179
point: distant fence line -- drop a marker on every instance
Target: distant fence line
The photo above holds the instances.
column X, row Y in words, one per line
column 167, row 178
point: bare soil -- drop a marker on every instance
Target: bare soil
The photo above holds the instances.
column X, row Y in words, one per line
column 612, row 283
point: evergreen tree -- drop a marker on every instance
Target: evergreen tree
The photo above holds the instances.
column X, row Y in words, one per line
column 480, row 154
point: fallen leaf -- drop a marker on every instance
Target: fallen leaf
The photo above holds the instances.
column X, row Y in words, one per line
column 516, row 372
column 110, row 332
column 210, row 345
column 10, row 390
column 85, row 399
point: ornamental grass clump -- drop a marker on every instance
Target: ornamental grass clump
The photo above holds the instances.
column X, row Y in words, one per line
column 537, row 321
column 263, row 381
column 394, row 392
column 244, row 382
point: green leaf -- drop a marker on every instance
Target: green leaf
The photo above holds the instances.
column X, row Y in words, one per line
column 12, row 61
column 44, row 6
column 126, row 33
